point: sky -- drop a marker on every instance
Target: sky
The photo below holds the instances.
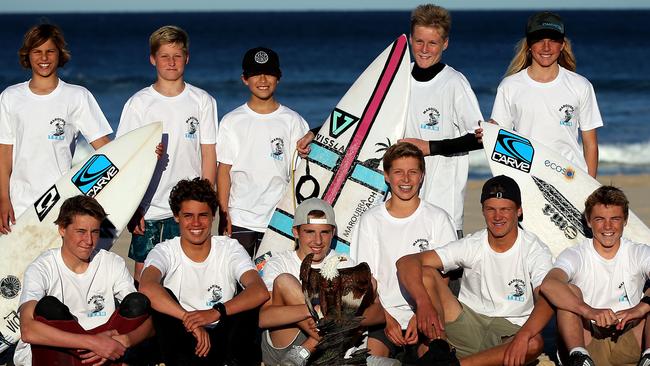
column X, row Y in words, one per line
column 50, row 6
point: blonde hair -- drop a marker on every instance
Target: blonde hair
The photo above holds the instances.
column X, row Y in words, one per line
column 429, row 15
column 169, row 34
column 522, row 58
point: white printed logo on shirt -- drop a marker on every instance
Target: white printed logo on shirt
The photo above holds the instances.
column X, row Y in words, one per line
column 518, row 290
column 277, row 149
column 58, row 133
column 192, row 125
column 567, row 115
column 215, row 293
column 97, row 303
column 433, row 118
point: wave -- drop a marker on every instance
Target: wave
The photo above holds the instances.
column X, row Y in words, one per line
column 631, row 155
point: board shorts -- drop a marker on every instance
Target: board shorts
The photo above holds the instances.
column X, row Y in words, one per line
column 472, row 332
column 272, row 355
column 614, row 348
column 155, row 231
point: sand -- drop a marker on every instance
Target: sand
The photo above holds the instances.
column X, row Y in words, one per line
column 636, row 187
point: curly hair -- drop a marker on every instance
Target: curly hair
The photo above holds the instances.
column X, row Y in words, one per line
column 608, row 196
column 39, row 34
column 196, row 189
column 79, row 205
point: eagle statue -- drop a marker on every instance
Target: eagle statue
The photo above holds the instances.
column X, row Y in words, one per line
column 342, row 295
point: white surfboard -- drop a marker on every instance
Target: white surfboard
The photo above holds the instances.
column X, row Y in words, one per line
column 117, row 175
column 344, row 165
column 553, row 190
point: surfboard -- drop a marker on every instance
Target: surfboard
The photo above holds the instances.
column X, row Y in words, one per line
column 344, row 165
column 553, row 190
column 117, row 175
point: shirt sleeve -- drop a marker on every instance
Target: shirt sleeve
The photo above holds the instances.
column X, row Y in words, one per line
column 444, row 231
column 590, row 117
column 227, row 144
column 240, row 262
column 123, row 284
column 159, row 257
column 466, row 107
column 209, row 125
column 453, row 255
column 90, row 119
column 6, row 129
column 34, row 283
column 272, row 270
column 361, row 245
column 569, row 261
column 129, row 120
column 540, row 261
column 501, row 112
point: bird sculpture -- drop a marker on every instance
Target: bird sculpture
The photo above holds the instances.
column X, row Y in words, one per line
column 342, row 294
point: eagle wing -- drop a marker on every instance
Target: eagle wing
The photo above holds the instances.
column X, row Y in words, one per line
column 357, row 290
column 310, row 279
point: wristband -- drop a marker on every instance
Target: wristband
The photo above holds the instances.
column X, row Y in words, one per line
column 645, row 299
column 221, row 308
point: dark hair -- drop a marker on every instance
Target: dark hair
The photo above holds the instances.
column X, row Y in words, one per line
column 79, row 205
column 39, row 34
column 402, row 150
column 608, row 196
column 196, row 189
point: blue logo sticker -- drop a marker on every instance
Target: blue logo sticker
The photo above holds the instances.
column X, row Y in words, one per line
column 514, row 151
column 94, row 175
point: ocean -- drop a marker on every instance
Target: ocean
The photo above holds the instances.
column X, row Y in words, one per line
column 322, row 53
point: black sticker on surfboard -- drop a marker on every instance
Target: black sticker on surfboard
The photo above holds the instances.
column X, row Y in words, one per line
column 340, row 121
column 562, row 213
column 94, row 175
column 513, row 151
column 9, row 287
column 44, row 204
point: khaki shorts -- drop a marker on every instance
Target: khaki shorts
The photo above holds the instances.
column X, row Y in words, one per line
column 615, row 351
column 472, row 332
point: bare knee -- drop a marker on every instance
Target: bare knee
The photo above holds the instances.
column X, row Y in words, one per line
column 576, row 290
column 430, row 276
column 536, row 345
column 286, row 290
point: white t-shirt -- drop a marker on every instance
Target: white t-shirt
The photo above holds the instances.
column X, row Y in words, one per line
column 198, row 286
column 89, row 295
column 43, row 130
column 498, row 284
column 382, row 239
column 288, row 262
column 444, row 107
column 189, row 121
column 615, row 283
column 260, row 148
column 549, row 112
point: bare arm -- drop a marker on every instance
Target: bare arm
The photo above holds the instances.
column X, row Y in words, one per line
column 556, row 289
column 409, row 273
column 36, row 332
column 272, row 316
column 254, row 294
column 160, row 299
column 590, row 150
column 223, row 195
column 374, row 314
column 139, row 334
column 209, row 162
column 100, row 142
column 6, row 209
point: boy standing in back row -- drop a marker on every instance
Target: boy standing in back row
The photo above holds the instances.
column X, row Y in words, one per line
column 256, row 145
column 189, row 117
column 40, row 120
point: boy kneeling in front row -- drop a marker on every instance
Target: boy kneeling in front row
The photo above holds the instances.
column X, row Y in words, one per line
column 67, row 303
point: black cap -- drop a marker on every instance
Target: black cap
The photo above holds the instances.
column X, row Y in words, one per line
column 501, row 186
column 261, row 60
column 544, row 25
